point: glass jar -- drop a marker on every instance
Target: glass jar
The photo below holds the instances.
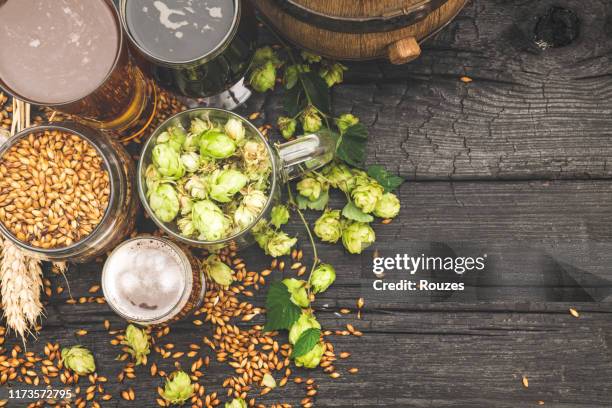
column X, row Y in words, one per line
column 119, row 217
column 214, row 70
column 150, row 280
column 288, row 160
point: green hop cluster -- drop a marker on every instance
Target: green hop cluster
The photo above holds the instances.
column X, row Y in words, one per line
column 137, row 341
column 339, row 176
column 311, row 119
column 263, row 69
column 236, row 403
column 306, row 321
column 366, row 196
column 322, row 278
column 212, row 181
column 311, row 187
column 287, row 126
column 164, row 202
column 209, row 220
column 273, row 241
column 357, row 236
column 312, row 359
column 279, row 215
column 78, row 359
column 297, row 289
column 346, row 121
column 387, row 206
column 178, row 388
column 218, row 271
column 332, row 73
column 328, row 226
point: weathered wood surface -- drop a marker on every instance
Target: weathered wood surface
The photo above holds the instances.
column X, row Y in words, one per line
column 514, row 164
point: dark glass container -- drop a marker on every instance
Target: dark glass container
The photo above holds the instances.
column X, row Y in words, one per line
column 213, row 72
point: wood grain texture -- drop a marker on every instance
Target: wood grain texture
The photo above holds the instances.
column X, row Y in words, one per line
column 420, row 354
column 527, row 114
column 514, row 164
column 348, row 45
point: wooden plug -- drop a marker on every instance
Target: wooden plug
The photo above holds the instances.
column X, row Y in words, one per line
column 403, row 51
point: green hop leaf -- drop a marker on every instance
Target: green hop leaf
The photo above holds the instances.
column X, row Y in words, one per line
column 286, row 126
column 329, row 227
column 263, row 78
column 164, row 202
column 292, row 73
column 279, row 215
column 317, row 90
column 387, row 180
column 352, row 212
column 307, row 341
column 388, row 206
column 306, row 321
column 78, row 359
column 357, row 236
column 137, row 341
column 318, row 205
column 297, row 288
column 216, row 144
column 281, row 312
column 218, row 271
column 351, row 147
column 322, row 278
column 312, row 358
column 178, row 388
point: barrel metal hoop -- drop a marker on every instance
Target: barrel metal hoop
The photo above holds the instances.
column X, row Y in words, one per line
column 388, row 21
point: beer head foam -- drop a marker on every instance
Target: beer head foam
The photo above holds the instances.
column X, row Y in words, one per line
column 145, row 279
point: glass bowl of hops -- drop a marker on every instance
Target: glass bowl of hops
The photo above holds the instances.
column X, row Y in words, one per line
column 209, row 178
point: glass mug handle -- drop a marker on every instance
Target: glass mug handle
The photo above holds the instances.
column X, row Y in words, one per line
column 305, row 153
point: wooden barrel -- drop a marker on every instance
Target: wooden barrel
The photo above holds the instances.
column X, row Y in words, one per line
column 360, row 29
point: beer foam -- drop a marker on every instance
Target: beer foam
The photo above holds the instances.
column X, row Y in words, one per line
column 145, row 279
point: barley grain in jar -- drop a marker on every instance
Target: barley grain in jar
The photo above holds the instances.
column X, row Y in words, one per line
column 65, row 192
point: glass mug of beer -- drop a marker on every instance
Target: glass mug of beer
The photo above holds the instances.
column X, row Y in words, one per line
column 196, row 49
column 72, row 56
column 150, row 280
